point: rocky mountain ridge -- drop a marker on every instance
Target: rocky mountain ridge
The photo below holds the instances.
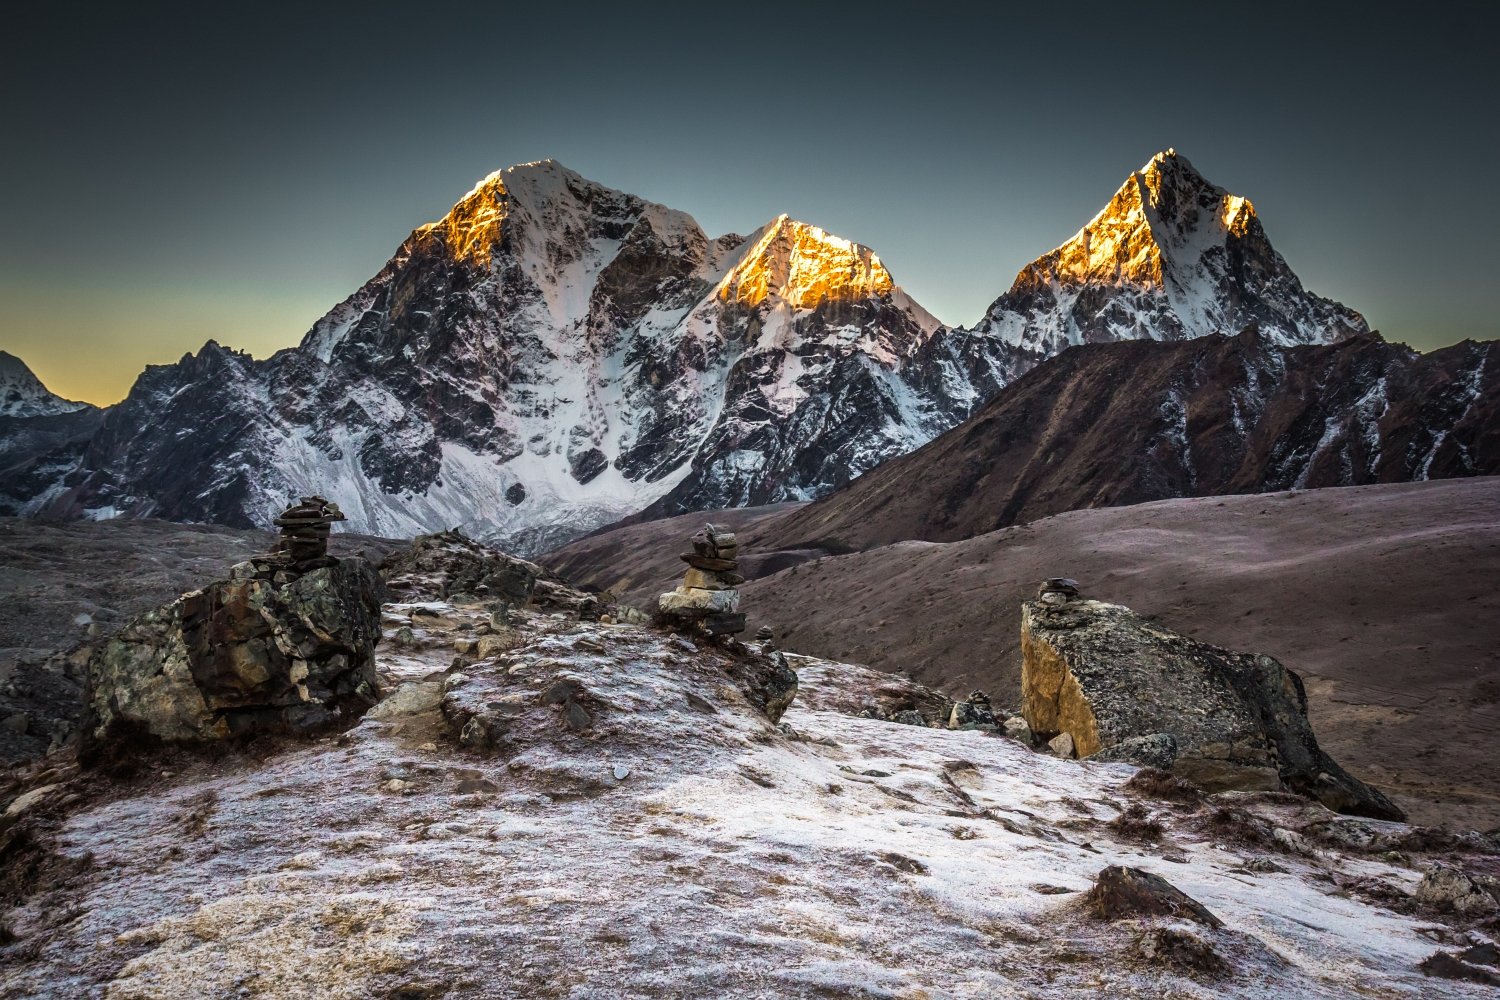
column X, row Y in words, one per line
column 553, row 355
column 1134, row 421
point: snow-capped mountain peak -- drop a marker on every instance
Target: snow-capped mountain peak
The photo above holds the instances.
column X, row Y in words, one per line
column 1171, row 256
column 22, row 394
column 553, row 354
column 803, row 266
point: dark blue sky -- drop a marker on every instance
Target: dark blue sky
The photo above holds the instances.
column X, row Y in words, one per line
column 175, row 173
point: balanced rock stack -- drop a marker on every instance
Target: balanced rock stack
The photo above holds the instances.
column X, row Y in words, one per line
column 1057, row 590
column 302, row 547
column 707, row 599
column 305, row 527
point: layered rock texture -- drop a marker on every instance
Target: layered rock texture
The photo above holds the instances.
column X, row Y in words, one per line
column 1113, row 681
column 265, row 651
column 553, row 355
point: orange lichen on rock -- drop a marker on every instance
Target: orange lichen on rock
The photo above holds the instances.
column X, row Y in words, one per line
column 1053, row 701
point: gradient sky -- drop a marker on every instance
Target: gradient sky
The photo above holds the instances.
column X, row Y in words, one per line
column 174, row 173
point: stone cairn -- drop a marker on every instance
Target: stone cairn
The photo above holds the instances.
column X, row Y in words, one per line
column 1057, row 590
column 707, row 600
column 303, row 545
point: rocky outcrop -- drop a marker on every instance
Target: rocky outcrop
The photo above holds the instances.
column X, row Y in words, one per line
column 1120, row 893
column 449, row 565
column 252, row 654
column 1111, row 680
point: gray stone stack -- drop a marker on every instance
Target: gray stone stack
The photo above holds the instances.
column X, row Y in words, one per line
column 305, row 527
column 1057, row 590
column 707, row 599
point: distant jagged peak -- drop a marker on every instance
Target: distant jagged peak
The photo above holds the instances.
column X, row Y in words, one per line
column 1163, row 218
column 22, row 394
column 1171, row 256
column 554, row 200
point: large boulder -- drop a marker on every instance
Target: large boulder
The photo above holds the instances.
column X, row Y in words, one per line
column 252, row 654
column 1120, row 685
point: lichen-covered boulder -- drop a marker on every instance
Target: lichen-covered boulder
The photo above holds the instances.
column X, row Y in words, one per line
column 241, row 656
column 1126, row 689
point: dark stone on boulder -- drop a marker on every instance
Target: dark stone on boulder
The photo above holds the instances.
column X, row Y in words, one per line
column 1107, row 676
column 1120, row 892
column 767, row 680
column 237, row 658
column 709, row 563
column 1158, row 750
column 725, row 623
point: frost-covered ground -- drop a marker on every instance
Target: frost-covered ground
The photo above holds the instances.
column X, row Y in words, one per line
column 679, row 846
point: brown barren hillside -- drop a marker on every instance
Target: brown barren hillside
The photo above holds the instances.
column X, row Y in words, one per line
column 1384, row 598
column 1106, row 425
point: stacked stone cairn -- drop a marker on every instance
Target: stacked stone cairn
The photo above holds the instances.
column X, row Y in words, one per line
column 302, row 547
column 305, row 527
column 707, row 600
column 974, row 712
column 1057, row 590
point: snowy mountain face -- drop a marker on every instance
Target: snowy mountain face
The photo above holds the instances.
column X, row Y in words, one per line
column 23, row 395
column 550, row 356
column 1171, row 257
column 553, row 355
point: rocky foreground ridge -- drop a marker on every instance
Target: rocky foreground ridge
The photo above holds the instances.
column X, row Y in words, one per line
column 550, row 802
column 554, row 355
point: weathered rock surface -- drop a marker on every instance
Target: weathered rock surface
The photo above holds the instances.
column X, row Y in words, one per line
column 450, row 563
column 238, row 657
column 614, row 787
column 1103, row 675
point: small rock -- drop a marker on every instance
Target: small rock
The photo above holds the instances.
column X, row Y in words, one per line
column 404, row 637
column 621, row 772
column 1061, row 745
column 409, row 699
column 972, row 713
column 1182, row 948
column 909, row 717
column 398, row 786
column 1446, row 966
column 1121, row 892
column 25, row 801
column 1018, row 729
column 1446, row 889
column 577, row 717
